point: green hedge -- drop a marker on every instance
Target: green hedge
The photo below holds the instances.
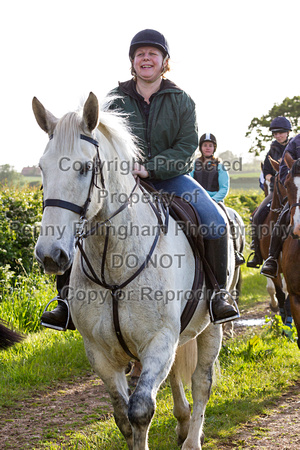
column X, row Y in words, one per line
column 20, row 213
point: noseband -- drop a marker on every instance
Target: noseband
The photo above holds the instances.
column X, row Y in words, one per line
column 81, row 210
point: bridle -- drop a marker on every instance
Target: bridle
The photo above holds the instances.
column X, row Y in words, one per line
column 81, row 210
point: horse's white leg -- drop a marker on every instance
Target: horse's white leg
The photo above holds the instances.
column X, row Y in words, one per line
column 209, row 343
column 116, row 384
column 156, row 360
column 272, row 293
column 182, row 409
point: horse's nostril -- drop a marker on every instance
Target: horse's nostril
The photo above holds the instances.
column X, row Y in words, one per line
column 60, row 258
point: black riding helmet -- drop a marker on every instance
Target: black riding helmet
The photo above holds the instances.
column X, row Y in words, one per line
column 280, row 123
column 208, row 137
column 150, row 38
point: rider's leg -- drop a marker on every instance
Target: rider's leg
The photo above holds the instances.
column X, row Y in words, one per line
column 257, row 220
column 216, row 254
column 58, row 316
column 279, row 234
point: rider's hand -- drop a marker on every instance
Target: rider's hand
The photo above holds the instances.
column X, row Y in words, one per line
column 139, row 170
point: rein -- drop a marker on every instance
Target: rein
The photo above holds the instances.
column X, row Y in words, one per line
column 115, row 289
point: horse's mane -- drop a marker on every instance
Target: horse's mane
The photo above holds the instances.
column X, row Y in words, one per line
column 113, row 125
column 116, row 123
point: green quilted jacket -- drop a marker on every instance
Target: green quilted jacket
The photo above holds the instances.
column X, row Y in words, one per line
column 169, row 138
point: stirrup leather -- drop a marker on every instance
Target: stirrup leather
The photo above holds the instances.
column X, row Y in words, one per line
column 226, row 319
column 57, row 327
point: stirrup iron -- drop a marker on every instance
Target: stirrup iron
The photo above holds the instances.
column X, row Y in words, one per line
column 57, row 327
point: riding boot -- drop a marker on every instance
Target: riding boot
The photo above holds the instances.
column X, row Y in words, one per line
column 257, row 259
column 58, row 317
column 270, row 267
column 239, row 258
column 216, row 251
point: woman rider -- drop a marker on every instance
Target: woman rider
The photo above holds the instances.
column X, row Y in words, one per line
column 208, row 171
column 211, row 174
column 280, row 127
column 163, row 118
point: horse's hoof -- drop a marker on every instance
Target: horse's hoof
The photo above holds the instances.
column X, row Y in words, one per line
column 274, row 309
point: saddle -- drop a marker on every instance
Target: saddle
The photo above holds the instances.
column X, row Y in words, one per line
column 182, row 211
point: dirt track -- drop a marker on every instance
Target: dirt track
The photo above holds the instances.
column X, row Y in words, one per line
column 64, row 405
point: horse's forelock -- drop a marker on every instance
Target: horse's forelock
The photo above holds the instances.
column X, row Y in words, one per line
column 67, row 130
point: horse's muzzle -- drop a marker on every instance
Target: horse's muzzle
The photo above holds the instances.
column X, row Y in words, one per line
column 56, row 262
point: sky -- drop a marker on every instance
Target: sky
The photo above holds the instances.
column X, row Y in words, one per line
column 235, row 58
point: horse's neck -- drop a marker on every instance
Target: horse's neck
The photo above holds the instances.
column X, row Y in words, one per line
column 131, row 226
column 278, row 195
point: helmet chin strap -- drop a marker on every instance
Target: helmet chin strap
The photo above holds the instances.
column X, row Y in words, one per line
column 287, row 139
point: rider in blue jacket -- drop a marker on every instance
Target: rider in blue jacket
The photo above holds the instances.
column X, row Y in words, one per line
column 209, row 171
column 214, row 178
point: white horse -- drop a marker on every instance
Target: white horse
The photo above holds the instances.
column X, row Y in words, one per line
column 119, row 309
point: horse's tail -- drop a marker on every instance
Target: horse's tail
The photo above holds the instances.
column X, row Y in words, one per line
column 186, row 361
column 8, row 337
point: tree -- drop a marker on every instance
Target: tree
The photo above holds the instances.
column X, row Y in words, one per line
column 8, row 176
column 259, row 128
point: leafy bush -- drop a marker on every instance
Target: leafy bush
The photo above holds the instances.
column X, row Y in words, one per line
column 20, row 212
column 244, row 204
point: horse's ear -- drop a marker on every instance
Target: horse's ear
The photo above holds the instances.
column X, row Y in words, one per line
column 274, row 163
column 44, row 118
column 91, row 112
column 289, row 160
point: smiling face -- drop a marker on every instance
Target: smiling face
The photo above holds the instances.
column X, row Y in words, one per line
column 148, row 63
column 281, row 136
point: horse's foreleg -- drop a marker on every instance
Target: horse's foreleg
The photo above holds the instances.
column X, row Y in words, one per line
column 272, row 293
column 182, row 409
column 117, row 387
column 156, row 360
column 209, row 343
column 295, row 307
column 280, row 294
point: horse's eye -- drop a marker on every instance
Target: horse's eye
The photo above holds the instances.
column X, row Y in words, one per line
column 86, row 167
column 89, row 166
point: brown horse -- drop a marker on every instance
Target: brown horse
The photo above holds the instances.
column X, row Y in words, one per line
column 290, row 260
column 278, row 201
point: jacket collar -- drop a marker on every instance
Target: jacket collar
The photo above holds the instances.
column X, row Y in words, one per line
column 128, row 87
